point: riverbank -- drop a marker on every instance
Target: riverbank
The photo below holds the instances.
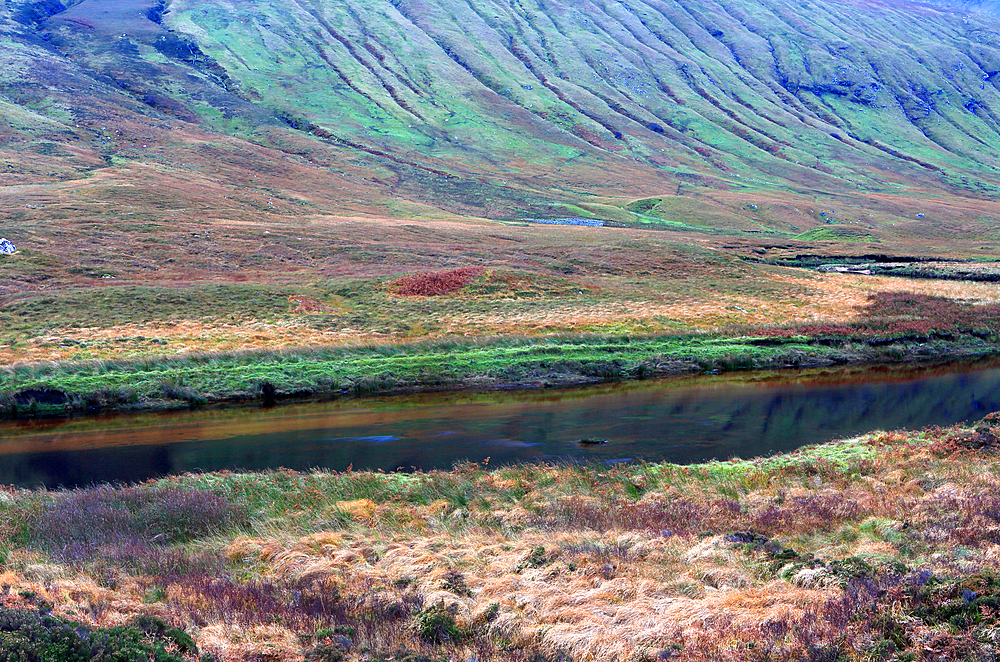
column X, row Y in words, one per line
column 892, row 327
column 268, row 377
column 878, row 547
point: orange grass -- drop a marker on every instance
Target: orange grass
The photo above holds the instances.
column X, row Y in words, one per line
column 796, row 553
column 793, row 296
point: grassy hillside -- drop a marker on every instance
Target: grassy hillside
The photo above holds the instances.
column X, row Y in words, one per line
column 529, row 110
column 826, row 93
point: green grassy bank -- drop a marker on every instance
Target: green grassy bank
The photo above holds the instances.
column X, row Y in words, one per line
column 192, row 380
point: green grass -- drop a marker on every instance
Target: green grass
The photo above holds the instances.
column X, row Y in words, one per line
column 837, row 233
column 369, row 370
column 110, row 306
column 446, row 63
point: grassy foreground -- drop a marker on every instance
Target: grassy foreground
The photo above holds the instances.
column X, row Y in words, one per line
column 883, row 547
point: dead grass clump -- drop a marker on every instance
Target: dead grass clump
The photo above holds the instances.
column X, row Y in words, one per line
column 958, row 441
column 436, row 283
column 308, row 305
column 244, row 548
column 262, row 643
column 359, row 509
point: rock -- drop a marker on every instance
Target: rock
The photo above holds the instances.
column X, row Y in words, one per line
column 814, row 578
column 6, row 246
column 342, row 641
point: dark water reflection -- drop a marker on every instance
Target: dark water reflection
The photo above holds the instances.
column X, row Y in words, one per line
column 679, row 420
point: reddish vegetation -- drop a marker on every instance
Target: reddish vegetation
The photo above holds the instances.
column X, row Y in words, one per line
column 436, row 283
column 894, row 315
column 308, row 305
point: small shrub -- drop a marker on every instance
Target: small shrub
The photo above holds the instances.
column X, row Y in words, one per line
column 404, row 655
column 964, row 603
column 454, row 581
column 324, row 653
column 754, row 542
column 536, row 559
column 154, row 627
column 489, row 614
column 437, row 625
column 26, row 635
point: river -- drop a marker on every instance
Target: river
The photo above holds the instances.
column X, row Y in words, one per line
column 681, row 419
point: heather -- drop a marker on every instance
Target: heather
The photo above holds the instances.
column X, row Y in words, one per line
column 437, row 283
column 881, row 547
column 893, row 316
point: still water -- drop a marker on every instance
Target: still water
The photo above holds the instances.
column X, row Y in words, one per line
column 683, row 419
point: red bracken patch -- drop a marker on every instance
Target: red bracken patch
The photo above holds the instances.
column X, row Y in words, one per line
column 436, row 283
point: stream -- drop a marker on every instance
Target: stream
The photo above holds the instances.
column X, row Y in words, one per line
column 679, row 419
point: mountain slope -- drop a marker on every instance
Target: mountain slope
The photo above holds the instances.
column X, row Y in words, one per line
column 736, row 88
column 530, row 109
column 263, row 154
column 469, row 101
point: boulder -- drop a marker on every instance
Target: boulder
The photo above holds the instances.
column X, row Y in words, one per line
column 7, row 246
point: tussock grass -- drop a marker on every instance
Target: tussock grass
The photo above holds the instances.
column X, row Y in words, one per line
column 879, row 546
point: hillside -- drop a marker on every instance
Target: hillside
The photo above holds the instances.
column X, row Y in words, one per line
column 528, row 109
column 219, row 176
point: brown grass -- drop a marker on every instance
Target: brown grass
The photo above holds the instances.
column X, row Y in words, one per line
column 794, row 554
column 535, row 279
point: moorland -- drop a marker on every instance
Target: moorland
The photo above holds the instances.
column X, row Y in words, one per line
column 221, row 202
column 188, row 184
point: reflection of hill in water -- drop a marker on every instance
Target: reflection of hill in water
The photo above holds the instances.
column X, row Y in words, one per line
column 686, row 422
